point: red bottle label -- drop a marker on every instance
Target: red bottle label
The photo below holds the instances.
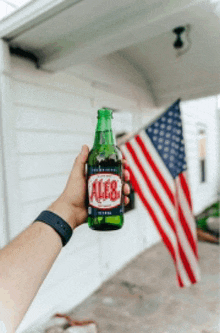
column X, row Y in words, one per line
column 104, row 191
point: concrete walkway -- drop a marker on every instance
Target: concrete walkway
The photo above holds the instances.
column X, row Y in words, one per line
column 144, row 297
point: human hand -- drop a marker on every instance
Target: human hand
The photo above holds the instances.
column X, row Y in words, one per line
column 71, row 205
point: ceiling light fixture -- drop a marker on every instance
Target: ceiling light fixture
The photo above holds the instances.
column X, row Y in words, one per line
column 178, row 44
column 183, row 43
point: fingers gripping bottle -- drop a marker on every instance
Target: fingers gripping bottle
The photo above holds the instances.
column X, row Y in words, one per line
column 105, row 210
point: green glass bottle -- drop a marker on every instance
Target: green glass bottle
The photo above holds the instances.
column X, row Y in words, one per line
column 105, row 204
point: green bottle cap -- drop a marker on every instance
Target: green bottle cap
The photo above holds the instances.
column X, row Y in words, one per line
column 105, row 113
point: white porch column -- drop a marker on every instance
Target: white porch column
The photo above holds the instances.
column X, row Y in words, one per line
column 9, row 181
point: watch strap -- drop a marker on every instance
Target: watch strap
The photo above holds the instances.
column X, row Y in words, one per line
column 57, row 223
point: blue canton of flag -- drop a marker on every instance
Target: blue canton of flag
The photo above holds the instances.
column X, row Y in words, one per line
column 167, row 137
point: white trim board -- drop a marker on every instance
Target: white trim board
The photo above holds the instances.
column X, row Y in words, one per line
column 31, row 15
column 4, row 234
column 11, row 194
column 4, row 227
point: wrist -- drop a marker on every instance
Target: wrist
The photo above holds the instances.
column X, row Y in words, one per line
column 65, row 211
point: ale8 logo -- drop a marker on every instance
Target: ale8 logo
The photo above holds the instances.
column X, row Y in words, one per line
column 104, row 190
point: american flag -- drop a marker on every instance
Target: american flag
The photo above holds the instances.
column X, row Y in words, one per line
column 158, row 170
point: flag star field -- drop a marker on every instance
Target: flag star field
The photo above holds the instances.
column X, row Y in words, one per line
column 167, row 137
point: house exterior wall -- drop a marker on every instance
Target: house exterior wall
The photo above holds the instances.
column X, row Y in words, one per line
column 53, row 115
column 202, row 113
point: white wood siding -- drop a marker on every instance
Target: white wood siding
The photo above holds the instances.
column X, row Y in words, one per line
column 47, row 142
column 53, row 115
column 202, row 111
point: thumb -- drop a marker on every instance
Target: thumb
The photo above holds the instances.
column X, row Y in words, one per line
column 81, row 159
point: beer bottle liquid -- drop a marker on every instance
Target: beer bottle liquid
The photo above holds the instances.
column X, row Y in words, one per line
column 105, row 207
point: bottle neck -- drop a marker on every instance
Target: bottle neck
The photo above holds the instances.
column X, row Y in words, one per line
column 104, row 134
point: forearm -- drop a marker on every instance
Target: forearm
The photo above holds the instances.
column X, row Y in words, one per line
column 26, row 261
column 24, row 264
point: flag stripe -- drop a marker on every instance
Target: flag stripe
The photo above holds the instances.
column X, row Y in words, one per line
column 191, row 262
column 186, row 209
column 187, row 230
column 161, row 206
column 156, row 170
column 187, row 265
column 185, row 189
column 152, row 189
column 158, row 213
column 191, row 258
column 186, row 218
column 160, row 229
column 147, row 193
column 154, row 179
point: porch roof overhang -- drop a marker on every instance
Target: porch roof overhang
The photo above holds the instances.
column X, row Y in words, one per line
column 69, row 33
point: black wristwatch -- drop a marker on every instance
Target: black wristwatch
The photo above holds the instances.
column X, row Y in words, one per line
column 57, row 223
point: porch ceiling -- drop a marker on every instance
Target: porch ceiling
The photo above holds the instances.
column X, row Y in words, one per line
column 64, row 34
